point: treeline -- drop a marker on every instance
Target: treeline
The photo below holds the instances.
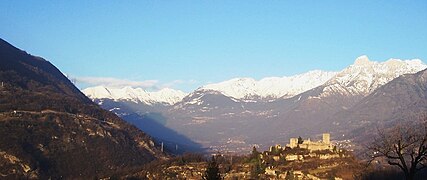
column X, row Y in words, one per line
column 209, row 166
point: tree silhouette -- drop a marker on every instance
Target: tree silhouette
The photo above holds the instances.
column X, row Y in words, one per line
column 212, row 171
column 255, row 153
column 402, row 146
column 300, row 140
column 256, row 163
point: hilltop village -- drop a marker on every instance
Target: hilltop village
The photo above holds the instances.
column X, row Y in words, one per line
column 300, row 159
column 303, row 159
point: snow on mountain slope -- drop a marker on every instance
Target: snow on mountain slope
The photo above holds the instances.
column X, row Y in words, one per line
column 166, row 95
column 364, row 76
column 271, row 87
column 359, row 79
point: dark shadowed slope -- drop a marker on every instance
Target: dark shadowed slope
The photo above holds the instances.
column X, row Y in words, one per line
column 48, row 128
column 152, row 121
column 173, row 141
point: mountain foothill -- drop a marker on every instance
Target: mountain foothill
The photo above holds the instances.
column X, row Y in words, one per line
column 50, row 130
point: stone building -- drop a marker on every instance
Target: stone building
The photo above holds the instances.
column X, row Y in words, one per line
column 324, row 144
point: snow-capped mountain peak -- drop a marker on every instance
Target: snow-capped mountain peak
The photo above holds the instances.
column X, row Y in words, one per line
column 270, row 87
column 98, row 91
column 359, row 79
column 364, row 76
column 166, row 95
column 169, row 96
column 362, row 61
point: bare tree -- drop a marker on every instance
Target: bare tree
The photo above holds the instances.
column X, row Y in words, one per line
column 402, row 146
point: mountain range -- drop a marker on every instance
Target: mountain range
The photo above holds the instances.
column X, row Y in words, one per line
column 164, row 96
column 237, row 114
column 371, row 74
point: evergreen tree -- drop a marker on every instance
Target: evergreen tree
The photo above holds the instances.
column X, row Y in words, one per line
column 212, row 171
column 257, row 166
column 255, row 153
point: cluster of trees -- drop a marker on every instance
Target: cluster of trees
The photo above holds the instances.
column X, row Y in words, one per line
column 213, row 172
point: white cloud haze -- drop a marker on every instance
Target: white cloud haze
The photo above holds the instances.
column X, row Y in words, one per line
column 119, row 83
column 115, row 82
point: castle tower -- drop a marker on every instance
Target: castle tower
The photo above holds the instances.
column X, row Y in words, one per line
column 326, row 138
column 293, row 142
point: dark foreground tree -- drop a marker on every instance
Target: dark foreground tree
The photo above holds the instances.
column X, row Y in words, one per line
column 402, row 146
column 256, row 163
column 212, row 171
column 254, row 153
column 300, row 140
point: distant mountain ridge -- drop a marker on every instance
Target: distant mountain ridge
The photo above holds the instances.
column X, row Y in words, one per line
column 164, row 96
column 271, row 87
column 357, row 81
column 239, row 88
column 364, row 76
column 372, row 74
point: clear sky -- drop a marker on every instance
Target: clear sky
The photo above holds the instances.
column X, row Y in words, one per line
column 185, row 44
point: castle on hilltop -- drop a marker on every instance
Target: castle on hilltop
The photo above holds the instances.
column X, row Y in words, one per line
column 324, row 144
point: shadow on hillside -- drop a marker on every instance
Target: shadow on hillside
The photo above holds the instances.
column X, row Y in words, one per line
column 153, row 124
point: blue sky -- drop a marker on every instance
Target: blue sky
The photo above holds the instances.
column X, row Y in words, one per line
column 185, row 44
